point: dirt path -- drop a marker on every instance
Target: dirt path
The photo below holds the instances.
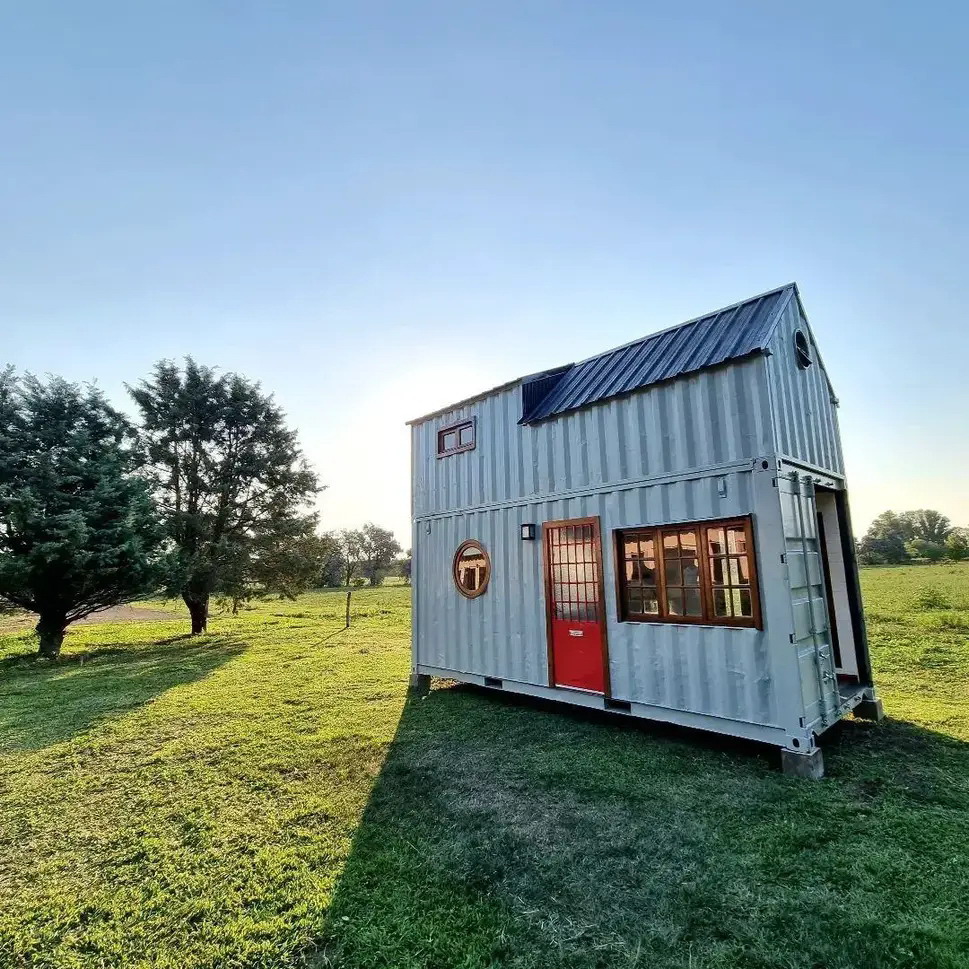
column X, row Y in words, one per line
column 114, row 614
column 129, row 614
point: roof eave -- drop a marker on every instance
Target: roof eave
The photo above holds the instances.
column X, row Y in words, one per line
column 464, row 403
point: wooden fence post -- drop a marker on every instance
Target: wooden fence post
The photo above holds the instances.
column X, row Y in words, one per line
column 348, row 610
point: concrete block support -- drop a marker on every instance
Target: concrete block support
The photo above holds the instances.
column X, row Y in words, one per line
column 420, row 683
column 870, row 710
column 796, row 763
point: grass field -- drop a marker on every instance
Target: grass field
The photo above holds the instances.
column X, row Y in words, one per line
column 268, row 796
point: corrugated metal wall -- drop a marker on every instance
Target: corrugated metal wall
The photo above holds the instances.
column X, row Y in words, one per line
column 657, row 456
column 805, row 417
column 711, row 670
column 812, row 637
column 711, row 418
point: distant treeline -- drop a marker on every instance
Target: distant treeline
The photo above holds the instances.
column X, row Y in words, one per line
column 925, row 534
column 358, row 556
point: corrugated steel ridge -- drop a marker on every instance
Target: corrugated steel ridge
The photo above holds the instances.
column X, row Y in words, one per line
column 728, row 334
column 693, row 345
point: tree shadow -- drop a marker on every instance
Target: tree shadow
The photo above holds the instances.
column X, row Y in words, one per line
column 43, row 703
column 506, row 832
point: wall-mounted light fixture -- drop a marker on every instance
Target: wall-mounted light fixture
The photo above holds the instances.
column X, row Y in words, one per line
column 528, row 533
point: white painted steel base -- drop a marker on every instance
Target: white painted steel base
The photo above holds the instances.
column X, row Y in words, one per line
column 765, row 733
column 799, row 752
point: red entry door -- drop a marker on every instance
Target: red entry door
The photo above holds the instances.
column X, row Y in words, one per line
column 576, row 610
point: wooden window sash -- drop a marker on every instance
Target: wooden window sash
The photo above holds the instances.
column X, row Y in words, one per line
column 704, row 564
column 456, row 429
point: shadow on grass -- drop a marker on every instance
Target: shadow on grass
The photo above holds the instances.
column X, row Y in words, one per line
column 43, row 703
column 514, row 833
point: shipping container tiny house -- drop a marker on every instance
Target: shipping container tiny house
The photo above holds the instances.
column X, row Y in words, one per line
column 661, row 531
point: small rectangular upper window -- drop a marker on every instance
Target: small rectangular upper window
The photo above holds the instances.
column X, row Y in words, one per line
column 700, row 572
column 456, row 438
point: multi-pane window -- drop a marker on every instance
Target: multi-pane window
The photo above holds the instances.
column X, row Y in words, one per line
column 573, row 561
column 457, row 437
column 700, row 572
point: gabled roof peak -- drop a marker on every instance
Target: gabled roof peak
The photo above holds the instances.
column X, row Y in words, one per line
column 729, row 333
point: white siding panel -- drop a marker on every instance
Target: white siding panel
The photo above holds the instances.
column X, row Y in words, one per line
column 709, row 418
column 805, row 416
column 701, row 669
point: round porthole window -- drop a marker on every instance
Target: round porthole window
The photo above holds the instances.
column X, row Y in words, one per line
column 472, row 569
column 802, row 350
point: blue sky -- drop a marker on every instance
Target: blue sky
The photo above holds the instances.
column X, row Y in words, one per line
column 377, row 208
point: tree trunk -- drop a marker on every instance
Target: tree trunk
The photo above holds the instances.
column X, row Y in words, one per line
column 50, row 631
column 198, row 609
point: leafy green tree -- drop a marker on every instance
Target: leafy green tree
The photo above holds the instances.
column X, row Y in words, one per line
column 891, row 524
column 957, row 544
column 922, row 548
column 283, row 561
column 379, row 549
column 928, row 525
column 78, row 532
column 889, row 537
column 331, row 561
column 349, row 551
column 232, row 484
column 884, row 542
column 405, row 566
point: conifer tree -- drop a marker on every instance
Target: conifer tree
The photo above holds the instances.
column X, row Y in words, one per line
column 232, row 484
column 78, row 532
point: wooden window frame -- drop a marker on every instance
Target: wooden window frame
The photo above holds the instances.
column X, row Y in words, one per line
column 480, row 591
column 457, row 428
column 708, row 618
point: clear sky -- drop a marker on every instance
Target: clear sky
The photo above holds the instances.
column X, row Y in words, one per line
column 378, row 208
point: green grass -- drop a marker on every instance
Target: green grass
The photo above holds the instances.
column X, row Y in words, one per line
column 267, row 796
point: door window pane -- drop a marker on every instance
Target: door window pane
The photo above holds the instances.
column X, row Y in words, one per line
column 716, row 545
column 736, row 540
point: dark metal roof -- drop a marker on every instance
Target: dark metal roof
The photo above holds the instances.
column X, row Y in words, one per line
column 728, row 334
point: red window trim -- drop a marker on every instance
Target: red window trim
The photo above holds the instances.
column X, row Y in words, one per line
column 472, row 423
column 706, row 592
